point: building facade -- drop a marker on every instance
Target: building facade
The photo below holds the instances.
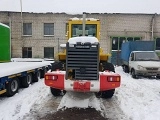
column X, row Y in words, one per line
column 38, row 35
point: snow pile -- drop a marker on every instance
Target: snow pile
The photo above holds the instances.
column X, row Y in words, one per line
column 136, row 99
column 139, row 98
column 14, row 108
column 80, row 100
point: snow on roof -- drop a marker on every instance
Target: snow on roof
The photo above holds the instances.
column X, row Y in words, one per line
column 90, row 19
column 83, row 39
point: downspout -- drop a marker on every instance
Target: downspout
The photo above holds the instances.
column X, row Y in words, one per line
column 10, row 25
column 152, row 26
column 21, row 24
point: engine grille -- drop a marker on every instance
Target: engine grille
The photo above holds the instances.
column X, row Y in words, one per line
column 83, row 61
column 152, row 69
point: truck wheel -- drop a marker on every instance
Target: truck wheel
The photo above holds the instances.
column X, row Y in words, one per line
column 27, row 80
column 55, row 92
column 158, row 77
column 36, row 76
column 133, row 73
column 12, row 87
column 125, row 69
column 42, row 73
column 108, row 93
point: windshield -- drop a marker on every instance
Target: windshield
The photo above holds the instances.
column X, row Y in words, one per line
column 90, row 30
column 143, row 56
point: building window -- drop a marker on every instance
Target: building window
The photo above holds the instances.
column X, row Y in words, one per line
column 27, row 29
column 48, row 29
column 157, row 43
column 121, row 40
column 130, row 39
column 117, row 41
column 48, row 52
column 137, row 38
column 26, row 52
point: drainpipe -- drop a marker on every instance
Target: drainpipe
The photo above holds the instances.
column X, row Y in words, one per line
column 10, row 21
column 21, row 24
column 152, row 26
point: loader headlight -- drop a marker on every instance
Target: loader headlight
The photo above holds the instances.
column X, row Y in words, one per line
column 141, row 67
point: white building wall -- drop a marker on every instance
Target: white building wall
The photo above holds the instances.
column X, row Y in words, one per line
column 120, row 25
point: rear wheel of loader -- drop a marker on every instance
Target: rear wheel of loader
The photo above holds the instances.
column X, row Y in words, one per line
column 108, row 93
column 105, row 94
column 55, row 92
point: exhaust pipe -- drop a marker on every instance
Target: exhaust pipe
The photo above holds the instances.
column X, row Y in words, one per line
column 84, row 24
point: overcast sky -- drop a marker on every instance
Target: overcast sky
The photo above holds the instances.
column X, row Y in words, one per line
column 79, row 6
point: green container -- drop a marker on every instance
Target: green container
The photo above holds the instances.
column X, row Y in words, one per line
column 5, row 43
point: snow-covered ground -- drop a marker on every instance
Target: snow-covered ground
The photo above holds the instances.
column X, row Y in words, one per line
column 136, row 99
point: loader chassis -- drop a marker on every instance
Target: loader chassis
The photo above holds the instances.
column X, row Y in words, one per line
column 83, row 71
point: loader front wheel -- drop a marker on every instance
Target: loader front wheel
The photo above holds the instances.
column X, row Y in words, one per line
column 55, row 92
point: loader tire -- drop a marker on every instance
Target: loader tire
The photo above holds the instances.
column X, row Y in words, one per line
column 12, row 87
column 55, row 92
column 108, row 93
column 108, row 66
column 57, row 65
